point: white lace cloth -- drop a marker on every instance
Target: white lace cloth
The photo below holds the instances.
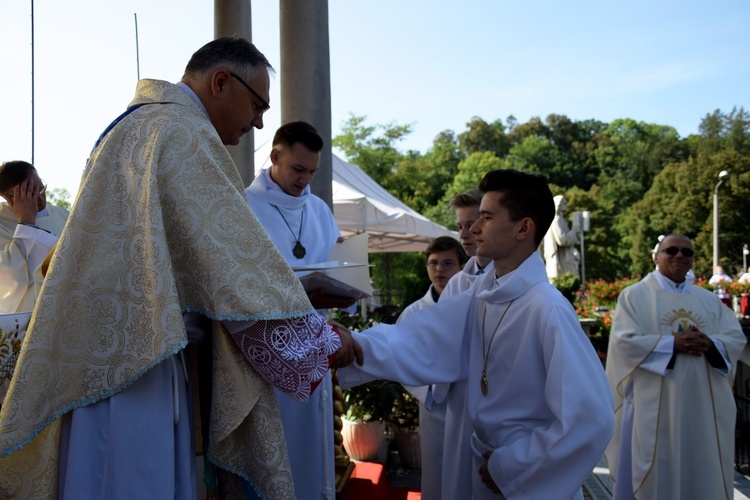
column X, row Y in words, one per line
column 290, row 354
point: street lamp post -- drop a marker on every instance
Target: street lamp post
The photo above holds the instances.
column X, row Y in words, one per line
column 745, row 251
column 722, row 175
column 582, row 221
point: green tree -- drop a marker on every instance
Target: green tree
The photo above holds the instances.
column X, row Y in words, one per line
column 59, row 197
column 534, row 127
column 629, row 156
column 540, row 155
column 372, row 147
column 420, row 181
column 481, row 136
column 681, row 200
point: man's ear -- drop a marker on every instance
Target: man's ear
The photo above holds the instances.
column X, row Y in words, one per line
column 219, row 81
column 526, row 229
column 274, row 156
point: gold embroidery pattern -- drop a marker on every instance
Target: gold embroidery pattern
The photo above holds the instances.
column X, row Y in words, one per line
column 174, row 233
column 681, row 319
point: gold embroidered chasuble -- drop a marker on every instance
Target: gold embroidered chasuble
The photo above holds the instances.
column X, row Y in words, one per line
column 160, row 226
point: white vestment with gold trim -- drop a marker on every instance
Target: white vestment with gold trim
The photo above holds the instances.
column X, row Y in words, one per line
column 674, row 432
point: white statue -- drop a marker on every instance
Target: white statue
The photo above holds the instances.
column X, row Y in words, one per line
column 561, row 254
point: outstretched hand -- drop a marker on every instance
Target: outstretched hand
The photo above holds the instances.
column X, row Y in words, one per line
column 350, row 349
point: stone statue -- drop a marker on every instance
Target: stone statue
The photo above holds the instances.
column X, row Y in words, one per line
column 561, row 254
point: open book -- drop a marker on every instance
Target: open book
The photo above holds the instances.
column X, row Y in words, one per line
column 345, row 273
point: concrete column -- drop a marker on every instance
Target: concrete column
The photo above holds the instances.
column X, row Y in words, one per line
column 305, row 77
column 232, row 17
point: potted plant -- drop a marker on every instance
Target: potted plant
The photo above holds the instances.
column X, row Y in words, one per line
column 405, row 420
column 367, row 408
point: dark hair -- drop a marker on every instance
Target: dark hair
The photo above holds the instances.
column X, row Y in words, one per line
column 523, row 195
column 469, row 198
column 293, row 132
column 14, row 173
column 235, row 52
column 445, row 244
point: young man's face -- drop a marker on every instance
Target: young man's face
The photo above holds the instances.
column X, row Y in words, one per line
column 494, row 230
column 294, row 167
column 465, row 218
column 441, row 266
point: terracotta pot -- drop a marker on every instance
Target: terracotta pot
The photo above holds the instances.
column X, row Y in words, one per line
column 407, row 443
column 362, row 441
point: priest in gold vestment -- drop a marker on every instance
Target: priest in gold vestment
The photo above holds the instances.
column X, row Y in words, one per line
column 100, row 404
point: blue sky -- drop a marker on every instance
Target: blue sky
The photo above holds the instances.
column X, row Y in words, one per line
column 433, row 64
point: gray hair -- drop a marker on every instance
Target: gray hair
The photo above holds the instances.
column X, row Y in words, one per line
column 234, row 52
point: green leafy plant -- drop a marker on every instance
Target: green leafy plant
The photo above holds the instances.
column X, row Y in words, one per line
column 372, row 401
column 568, row 284
column 405, row 413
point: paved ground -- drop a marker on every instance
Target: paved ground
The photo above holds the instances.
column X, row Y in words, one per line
column 599, row 485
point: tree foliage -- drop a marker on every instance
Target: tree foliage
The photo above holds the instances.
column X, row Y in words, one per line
column 638, row 180
column 59, row 197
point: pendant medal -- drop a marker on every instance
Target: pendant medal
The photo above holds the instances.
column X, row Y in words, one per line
column 298, row 250
column 483, row 383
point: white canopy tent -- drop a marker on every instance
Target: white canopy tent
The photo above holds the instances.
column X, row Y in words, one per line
column 361, row 204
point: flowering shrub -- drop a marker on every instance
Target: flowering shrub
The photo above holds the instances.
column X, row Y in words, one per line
column 736, row 288
column 703, row 283
column 598, row 302
column 733, row 288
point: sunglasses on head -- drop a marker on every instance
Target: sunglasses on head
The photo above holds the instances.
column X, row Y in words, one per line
column 687, row 252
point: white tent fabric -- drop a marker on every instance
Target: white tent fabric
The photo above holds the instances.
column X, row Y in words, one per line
column 361, row 204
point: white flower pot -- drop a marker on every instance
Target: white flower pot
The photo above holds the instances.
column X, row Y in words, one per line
column 362, row 441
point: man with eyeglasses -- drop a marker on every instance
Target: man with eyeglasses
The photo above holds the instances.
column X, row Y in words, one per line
column 445, row 259
column 160, row 251
column 29, row 229
column 673, row 351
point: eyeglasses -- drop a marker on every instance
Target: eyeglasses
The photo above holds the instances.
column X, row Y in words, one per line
column 446, row 264
column 265, row 106
column 687, row 252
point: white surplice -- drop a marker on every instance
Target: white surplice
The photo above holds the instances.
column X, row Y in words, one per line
column 308, row 426
column 22, row 250
column 674, row 433
column 457, row 429
column 547, row 415
column 431, row 418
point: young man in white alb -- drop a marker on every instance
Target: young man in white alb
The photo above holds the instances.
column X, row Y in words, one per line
column 537, row 397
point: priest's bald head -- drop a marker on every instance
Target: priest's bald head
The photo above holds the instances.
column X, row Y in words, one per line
column 231, row 78
column 674, row 257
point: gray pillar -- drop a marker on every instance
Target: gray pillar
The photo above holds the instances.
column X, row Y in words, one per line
column 306, row 77
column 232, row 17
